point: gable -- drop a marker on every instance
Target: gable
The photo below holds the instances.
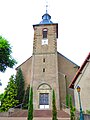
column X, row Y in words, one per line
column 25, row 62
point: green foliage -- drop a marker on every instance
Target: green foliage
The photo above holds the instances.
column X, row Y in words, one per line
column 72, row 110
column 67, row 101
column 26, row 98
column 20, row 86
column 1, row 96
column 54, row 110
column 88, row 111
column 30, row 105
column 6, row 60
column 8, row 100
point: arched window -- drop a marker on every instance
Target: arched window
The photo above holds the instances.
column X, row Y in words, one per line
column 44, row 39
column 45, row 33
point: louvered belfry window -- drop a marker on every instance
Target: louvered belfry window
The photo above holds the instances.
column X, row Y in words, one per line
column 44, row 33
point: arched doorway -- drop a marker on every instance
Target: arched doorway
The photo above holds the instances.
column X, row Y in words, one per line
column 44, row 93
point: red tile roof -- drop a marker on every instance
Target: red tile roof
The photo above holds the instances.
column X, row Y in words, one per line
column 79, row 71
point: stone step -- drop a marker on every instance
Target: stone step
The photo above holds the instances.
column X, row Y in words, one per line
column 39, row 113
column 25, row 118
column 20, row 114
column 41, row 118
column 13, row 118
column 48, row 113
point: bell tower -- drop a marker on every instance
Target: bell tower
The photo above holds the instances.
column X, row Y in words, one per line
column 45, row 35
column 45, row 64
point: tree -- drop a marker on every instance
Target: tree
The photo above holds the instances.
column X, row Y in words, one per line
column 1, row 96
column 26, row 98
column 54, row 110
column 20, row 86
column 6, row 60
column 8, row 100
column 30, row 105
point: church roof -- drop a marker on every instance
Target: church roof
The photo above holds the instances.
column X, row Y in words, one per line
column 46, row 19
column 79, row 71
column 68, row 59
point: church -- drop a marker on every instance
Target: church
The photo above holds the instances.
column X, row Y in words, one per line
column 47, row 69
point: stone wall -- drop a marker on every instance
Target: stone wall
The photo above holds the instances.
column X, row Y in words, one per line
column 26, row 68
column 3, row 114
column 86, row 117
column 66, row 71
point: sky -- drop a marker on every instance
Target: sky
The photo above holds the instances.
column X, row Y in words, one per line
column 16, row 25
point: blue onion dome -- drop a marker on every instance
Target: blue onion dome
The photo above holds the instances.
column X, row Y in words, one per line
column 46, row 19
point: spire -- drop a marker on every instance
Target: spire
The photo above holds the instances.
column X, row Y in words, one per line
column 46, row 17
column 46, row 6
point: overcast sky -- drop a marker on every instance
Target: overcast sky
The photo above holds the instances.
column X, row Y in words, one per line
column 18, row 16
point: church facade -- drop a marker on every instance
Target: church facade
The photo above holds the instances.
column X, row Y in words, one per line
column 47, row 69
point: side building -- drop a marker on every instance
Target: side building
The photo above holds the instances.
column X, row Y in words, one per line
column 47, row 69
column 82, row 79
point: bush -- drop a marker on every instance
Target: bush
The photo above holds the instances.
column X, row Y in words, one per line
column 54, row 110
column 72, row 110
column 30, row 105
column 88, row 111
